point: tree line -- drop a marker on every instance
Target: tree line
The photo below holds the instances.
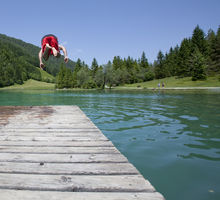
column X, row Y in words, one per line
column 120, row 71
column 196, row 57
column 16, row 66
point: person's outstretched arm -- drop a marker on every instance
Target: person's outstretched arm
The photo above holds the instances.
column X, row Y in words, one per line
column 65, row 53
column 40, row 59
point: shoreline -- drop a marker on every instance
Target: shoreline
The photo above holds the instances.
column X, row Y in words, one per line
column 113, row 88
column 167, row 88
column 171, row 83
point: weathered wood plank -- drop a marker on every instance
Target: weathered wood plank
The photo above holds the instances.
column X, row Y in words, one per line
column 69, row 169
column 50, row 136
column 5, row 129
column 43, row 195
column 49, row 126
column 46, row 109
column 49, row 132
column 66, row 119
column 53, row 134
column 95, row 143
column 63, row 158
column 49, row 120
column 58, row 150
column 52, row 139
column 71, row 183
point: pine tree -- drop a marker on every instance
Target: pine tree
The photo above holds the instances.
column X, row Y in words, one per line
column 171, row 61
column 77, row 68
column 99, row 77
column 184, row 57
column 82, row 77
column 60, row 77
column 198, row 41
column 140, row 72
column 78, row 65
column 117, row 63
column 109, row 74
column 198, row 66
column 160, row 68
column 127, row 72
column 94, row 67
column 217, row 53
column 75, row 78
column 18, row 74
column 212, row 41
column 68, row 79
column 144, row 61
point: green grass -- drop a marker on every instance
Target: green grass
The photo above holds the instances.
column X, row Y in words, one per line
column 45, row 76
column 31, row 85
column 173, row 82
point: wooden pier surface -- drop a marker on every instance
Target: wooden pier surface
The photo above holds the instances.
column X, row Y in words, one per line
column 56, row 152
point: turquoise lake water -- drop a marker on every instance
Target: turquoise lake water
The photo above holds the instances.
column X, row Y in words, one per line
column 172, row 138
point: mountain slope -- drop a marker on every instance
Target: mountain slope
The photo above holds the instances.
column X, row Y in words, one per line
column 31, row 54
column 19, row 62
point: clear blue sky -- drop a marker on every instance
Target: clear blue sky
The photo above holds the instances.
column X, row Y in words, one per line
column 107, row 28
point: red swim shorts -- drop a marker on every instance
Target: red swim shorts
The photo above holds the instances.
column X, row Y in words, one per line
column 52, row 41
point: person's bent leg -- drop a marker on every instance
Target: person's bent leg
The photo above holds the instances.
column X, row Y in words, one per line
column 46, row 48
column 55, row 47
column 58, row 54
column 55, row 52
column 46, row 53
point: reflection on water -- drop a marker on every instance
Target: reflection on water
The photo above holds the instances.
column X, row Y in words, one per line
column 171, row 137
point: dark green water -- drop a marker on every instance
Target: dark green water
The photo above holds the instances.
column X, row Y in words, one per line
column 173, row 138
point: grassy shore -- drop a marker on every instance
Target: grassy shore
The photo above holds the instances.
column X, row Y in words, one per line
column 31, row 85
column 170, row 83
column 175, row 83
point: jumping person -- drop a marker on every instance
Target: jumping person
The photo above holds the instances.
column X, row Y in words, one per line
column 50, row 46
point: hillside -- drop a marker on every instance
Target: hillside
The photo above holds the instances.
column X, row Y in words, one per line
column 19, row 62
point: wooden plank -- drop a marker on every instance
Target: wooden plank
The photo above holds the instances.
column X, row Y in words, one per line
column 49, row 131
column 23, row 117
column 43, row 195
column 41, row 129
column 51, row 139
column 76, row 183
column 49, row 126
column 54, row 134
column 18, row 121
column 63, row 158
column 57, row 136
column 59, row 143
column 69, row 169
column 58, row 150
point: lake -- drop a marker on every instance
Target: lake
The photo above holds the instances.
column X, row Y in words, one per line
column 172, row 137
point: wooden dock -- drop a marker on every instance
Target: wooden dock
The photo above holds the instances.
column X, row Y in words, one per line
column 56, row 152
